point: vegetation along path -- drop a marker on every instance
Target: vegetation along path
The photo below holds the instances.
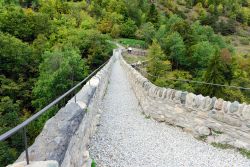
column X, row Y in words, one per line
column 126, row 138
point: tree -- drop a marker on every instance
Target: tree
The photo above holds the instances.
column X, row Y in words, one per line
column 200, row 33
column 18, row 69
column 146, row 32
column 158, row 65
column 134, row 12
column 17, row 58
column 226, row 27
column 128, row 28
column 115, row 32
column 9, row 118
column 153, row 16
column 24, row 24
column 173, row 23
column 59, row 71
column 201, row 53
column 175, row 49
column 170, row 80
column 214, row 75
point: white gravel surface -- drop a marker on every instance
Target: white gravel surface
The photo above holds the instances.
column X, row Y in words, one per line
column 125, row 138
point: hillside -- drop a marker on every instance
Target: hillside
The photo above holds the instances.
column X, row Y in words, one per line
column 230, row 18
column 47, row 46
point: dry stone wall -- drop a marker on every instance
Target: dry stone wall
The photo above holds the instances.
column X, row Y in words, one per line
column 218, row 120
column 65, row 136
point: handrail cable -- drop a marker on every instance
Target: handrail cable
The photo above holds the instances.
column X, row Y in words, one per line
column 193, row 81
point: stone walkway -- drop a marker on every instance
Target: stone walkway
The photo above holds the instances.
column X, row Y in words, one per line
column 126, row 138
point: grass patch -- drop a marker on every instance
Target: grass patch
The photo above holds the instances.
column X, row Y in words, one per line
column 93, row 163
column 242, row 151
column 130, row 59
column 147, row 117
column 202, row 138
column 132, row 42
column 217, row 132
column 222, row 146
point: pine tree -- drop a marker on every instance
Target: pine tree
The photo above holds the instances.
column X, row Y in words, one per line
column 153, row 15
column 215, row 75
column 158, row 65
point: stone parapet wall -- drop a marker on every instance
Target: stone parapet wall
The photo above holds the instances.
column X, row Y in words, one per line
column 77, row 154
column 65, row 136
column 215, row 119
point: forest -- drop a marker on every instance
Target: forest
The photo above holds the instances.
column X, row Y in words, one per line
column 47, row 46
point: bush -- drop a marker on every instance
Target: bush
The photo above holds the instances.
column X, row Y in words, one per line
column 128, row 29
column 226, row 28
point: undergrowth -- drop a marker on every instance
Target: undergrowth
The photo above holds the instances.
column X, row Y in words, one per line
column 242, row 151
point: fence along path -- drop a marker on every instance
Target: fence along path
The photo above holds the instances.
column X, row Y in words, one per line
column 126, row 138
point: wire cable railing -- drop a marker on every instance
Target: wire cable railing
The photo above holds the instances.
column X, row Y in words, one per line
column 191, row 81
column 24, row 124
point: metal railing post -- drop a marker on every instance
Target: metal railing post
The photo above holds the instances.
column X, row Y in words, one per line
column 26, row 145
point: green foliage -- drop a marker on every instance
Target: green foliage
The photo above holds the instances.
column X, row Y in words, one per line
column 17, row 59
column 175, row 49
column 93, row 163
column 146, row 32
column 46, row 46
column 153, row 15
column 233, row 95
column 226, row 28
column 23, row 23
column 222, row 146
column 19, row 64
column 7, row 154
column 169, row 80
column 201, row 54
column 59, row 71
column 9, row 114
column 62, row 38
column 115, row 32
column 9, row 118
column 128, row 29
column 158, row 65
column 214, row 74
column 132, row 42
column 245, row 152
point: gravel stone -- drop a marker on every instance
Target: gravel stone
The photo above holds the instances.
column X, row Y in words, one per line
column 126, row 138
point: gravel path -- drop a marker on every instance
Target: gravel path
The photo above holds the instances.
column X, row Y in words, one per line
column 125, row 138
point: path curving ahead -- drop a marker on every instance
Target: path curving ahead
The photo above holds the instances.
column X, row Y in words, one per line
column 125, row 138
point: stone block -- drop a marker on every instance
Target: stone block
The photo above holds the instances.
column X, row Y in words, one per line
column 203, row 130
column 226, row 119
column 208, row 103
column 183, row 97
column 177, row 97
column 190, row 100
column 218, row 104
column 246, row 112
column 198, row 101
column 234, row 107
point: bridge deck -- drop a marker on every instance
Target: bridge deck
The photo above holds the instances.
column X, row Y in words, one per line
column 126, row 138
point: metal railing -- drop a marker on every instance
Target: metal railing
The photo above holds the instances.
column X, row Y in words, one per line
column 23, row 125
